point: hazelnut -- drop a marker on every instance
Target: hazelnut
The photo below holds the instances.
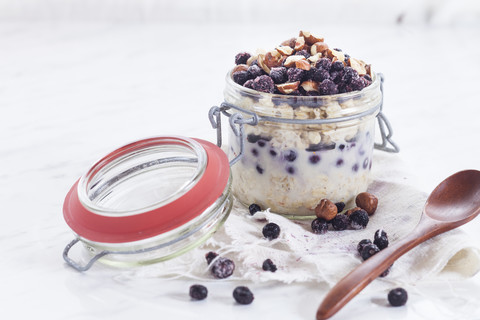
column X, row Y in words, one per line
column 326, row 209
column 358, row 65
column 368, row 69
column 303, row 64
column 314, row 58
column 299, row 43
column 240, row 67
column 290, row 61
column 318, row 47
column 335, row 55
column 287, row 88
column 290, row 42
column 262, row 64
column 273, row 59
column 285, row 50
column 309, row 85
column 367, row 202
column 350, row 211
column 310, row 38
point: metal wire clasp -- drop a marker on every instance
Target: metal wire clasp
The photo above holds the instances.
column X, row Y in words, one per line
column 384, row 123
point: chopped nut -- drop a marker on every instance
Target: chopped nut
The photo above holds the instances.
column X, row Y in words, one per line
column 367, row 202
column 251, row 59
column 318, row 47
column 291, row 60
column 337, row 55
column 299, row 43
column 285, row 50
column 290, row 42
column 358, row 65
column 261, row 63
column 326, row 209
column 310, row 85
column 350, row 211
column 310, row 38
column 273, row 59
column 314, row 58
column 302, row 64
column 240, row 67
column 287, row 88
column 368, row 69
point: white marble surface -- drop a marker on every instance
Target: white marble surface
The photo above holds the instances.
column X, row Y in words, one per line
column 71, row 92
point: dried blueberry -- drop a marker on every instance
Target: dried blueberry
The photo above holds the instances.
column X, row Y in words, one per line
column 290, row 155
column 367, row 77
column 314, row 158
column 357, row 84
column 261, row 143
column 355, row 167
column 359, row 219
column 349, row 74
column 210, row 256
column 319, row 74
column 339, row 162
column 303, row 53
column 327, row 87
column 381, row 239
column 254, row 71
column 336, row 77
column 323, row 63
column 242, row 58
column 340, row 206
column 264, row 84
column 340, row 222
column 198, row 292
column 341, row 147
column 295, row 74
column 397, row 297
column 279, row 74
column 273, row 153
column 337, row 66
column 368, row 251
column 362, row 244
column 290, row 170
column 255, row 152
column 240, row 77
column 271, row 231
column 259, row 169
column 248, row 84
column 319, row 226
column 222, row 268
column 268, row 265
column 254, row 208
column 243, row 295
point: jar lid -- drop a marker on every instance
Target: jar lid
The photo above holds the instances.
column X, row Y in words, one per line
column 146, row 188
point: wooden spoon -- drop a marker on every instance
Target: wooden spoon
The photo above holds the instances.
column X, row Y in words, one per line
column 455, row 201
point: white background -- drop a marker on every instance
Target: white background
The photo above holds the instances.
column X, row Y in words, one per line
column 80, row 78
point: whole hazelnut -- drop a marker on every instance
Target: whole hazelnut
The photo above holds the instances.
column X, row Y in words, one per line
column 326, row 209
column 367, row 202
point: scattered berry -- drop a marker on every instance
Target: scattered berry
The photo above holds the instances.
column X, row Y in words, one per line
column 362, row 244
column 243, row 295
column 222, row 268
column 253, row 208
column 264, row 84
column 271, row 231
column 340, row 222
column 359, row 219
column 340, row 206
column 368, row 251
column 397, row 297
column 279, row 75
column 381, row 239
column 242, row 58
column 268, row 265
column 210, row 256
column 319, row 226
column 198, row 292
column 240, row 77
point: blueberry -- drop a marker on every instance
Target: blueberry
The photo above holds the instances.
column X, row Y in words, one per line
column 319, row 74
column 323, row 63
column 273, row 153
column 254, row 208
column 339, row 162
column 242, row 58
column 248, row 84
column 268, row 265
column 349, row 74
column 340, row 222
column 337, row 66
column 295, row 74
column 381, row 239
column 243, row 295
column 314, row 158
column 210, row 256
column 368, row 251
column 336, row 77
column 327, row 87
column 303, row 53
column 362, row 244
column 259, row 169
column 222, row 268
column 198, row 292
column 355, row 167
column 279, row 74
column 290, row 155
column 271, row 231
column 261, row 143
column 264, row 84
column 240, row 77
column 254, row 71
column 397, row 297
column 357, row 84
column 252, row 138
column 291, row 170
column 367, row 77
column 319, row 226
column 341, row 146
column 255, row 152
column 359, row 219
column 340, row 206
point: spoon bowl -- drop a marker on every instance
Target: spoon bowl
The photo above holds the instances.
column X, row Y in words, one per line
column 455, row 201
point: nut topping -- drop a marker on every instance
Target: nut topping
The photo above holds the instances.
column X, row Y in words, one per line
column 318, row 47
column 291, row 60
column 240, row 67
column 302, row 64
column 358, row 65
column 310, row 38
column 310, row 85
column 299, row 43
column 285, row 50
column 262, row 64
column 326, row 209
column 273, row 59
column 287, row 88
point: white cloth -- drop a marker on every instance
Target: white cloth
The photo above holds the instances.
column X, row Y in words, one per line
column 302, row 256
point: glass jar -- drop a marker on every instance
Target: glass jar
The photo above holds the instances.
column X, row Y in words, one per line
column 149, row 201
column 302, row 148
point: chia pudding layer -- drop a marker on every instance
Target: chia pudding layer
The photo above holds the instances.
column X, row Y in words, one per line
column 289, row 167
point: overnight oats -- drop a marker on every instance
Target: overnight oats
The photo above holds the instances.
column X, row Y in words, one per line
column 316, row 108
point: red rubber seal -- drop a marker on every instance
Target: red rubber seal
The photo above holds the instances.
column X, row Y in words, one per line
column 109, row 229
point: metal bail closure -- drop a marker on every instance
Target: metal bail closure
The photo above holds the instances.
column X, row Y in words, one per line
column 384, row 123
column 160, row 197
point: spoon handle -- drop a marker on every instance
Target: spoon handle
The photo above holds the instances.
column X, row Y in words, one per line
column 370, row 269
